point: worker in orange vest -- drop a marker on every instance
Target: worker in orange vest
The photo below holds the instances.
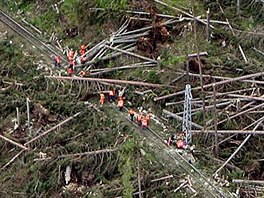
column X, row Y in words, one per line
column 120, row 104
column 111, row 95
column 148, row 119
column 102, row 99
column 72, row 62
column 180, row 144
column 82, row 53
column 70, row 70
column 83, row 73
column 139, row 119
column 131, row 113
column 83, row 49
column 144, row 123
column 57, row 61
column 71, row 54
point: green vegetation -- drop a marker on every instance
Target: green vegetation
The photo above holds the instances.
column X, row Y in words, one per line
column 114, row 174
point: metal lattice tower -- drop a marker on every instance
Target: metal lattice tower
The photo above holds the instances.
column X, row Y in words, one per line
column 186, row 124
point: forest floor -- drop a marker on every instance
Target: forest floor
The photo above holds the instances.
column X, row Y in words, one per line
column 111, row 174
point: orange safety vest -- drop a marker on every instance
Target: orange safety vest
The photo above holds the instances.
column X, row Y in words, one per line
column 147, row 117
column 120, row 103
column 111, row 93
column 82, row 51
column 131, row 112
column 71, row 54
column 70, row 70
column 82, row 73
column 144, row 123
column 180, row 144
column 72, row 62
column 139, row 117
column 102, row 98
column 57, row 59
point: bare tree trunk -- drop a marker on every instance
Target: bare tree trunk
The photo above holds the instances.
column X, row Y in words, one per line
column 13, row 142
column 17, row 119
column 199, row 60
column 51, row 129
column 240, row 78
column 238, row 8
column 208, row 26
column 114, row 81
column 241, row 181
column 216, row 145
column 238, row 149
column 28, row 116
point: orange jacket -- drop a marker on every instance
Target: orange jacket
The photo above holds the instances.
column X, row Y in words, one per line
column 82, row 73
column 70, row 70
column 82, row 51
column 131, row 112
column 71, row 54
column 102, row 96
column 147, row 117
column 72, row 62
column 58, row 59
column 144, row 123
column 180, row 144
column 139, row 117
column 111, row 93
column 120, row 103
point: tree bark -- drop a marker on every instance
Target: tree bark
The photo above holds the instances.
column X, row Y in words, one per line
column 51, row 129
column 180, row 118
column 13, row 142
column 216, row 145
column 111, row 81
column 238, row 149
column 211, row 84
column 89, row 153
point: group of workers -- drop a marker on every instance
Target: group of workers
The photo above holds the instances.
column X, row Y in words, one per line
column 71, row 54
column 177, row 140
column 140, row 118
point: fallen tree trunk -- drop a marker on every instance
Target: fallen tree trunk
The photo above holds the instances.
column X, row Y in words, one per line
column 106, row 70
column 238, row 148
column 207, row 107
column 181, row 11
column 135, row 64
column 180, row 118
column 110, row 81
column 262, row 53
column 162, row 178
column 230, row 131
column 51, row 129
column 12, row 83
column 196, row 54
column 13, row 142
column 106, row 57
column 238, row 114
column 131, row 54
column 89, row 153
column 241, row 181
column 13, row 159
column 223, row 78
column 211, row 84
